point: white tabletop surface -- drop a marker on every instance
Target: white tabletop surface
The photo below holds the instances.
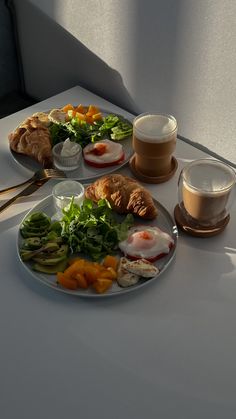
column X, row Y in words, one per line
column 166, row 351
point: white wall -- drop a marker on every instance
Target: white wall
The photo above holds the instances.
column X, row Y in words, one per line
column 175, row 56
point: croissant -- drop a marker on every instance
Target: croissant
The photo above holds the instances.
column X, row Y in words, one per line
column 124, row 195
column 32, row 138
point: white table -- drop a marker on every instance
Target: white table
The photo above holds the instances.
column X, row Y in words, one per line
column 166, row 351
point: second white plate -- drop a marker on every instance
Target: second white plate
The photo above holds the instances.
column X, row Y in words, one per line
column 84, row 173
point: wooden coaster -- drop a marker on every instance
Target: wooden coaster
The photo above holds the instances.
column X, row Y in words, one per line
column 151, row 179
column 197, row 230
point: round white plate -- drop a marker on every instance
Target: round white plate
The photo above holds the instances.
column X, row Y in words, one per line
column 85, row 172
column 163, row 221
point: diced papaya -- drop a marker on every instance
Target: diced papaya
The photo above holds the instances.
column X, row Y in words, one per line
column 80, row 108
column 110, row 261
column 89, row 119
column 91, row 273
column 97, row 116
column 102, row 284
column 76, row 267
column 80, row 116
column 68, row 107
column 66, row 282
column 81, row 281
column 92, row 110
column 108, row 273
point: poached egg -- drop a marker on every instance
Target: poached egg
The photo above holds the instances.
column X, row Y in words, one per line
column 146, row 242
column 103, row 153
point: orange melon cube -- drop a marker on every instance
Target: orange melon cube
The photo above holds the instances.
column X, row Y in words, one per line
column 91, row 273
column 92, row 110
column 80, row 108
column 81, row 281
column 65, row 282
column 77, row 267
column 80, row 116
column 109, row 273
column 97, row 116
column 110, row 261
column 68, row 107
column 102, row 284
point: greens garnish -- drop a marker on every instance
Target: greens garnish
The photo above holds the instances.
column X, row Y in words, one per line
column 93, row 229
column 112, row 126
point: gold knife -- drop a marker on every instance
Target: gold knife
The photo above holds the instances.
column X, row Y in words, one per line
column 27, row 191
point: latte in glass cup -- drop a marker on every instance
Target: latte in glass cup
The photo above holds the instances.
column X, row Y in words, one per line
column 206, row 191
column 154, row 141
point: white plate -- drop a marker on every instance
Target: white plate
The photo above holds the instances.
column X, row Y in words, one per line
column 85, row 172
column 163, row 221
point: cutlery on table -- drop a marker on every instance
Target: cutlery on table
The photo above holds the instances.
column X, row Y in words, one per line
column 27, row 191
column 40, row 175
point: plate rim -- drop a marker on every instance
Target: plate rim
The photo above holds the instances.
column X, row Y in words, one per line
column 80, row 293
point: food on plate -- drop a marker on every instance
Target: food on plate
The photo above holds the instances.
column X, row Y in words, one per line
column 58, row 116
column 37, row 135
column 124, row 194
column 130, row 272
column 84, row 274
column 69, row 148
column 32, row 139
column 37, row 224
column 146, row 242
column 86, row 125
column 141, row 267
column 89, row 114
column 42, row 117
column 43, row 244
column 110, row 262
column 83, row 249
column 125, row 278
column 93, row 229
column 103, row 153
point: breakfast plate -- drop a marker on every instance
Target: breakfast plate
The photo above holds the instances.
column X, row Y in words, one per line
column 164, row 221
column 84, row 173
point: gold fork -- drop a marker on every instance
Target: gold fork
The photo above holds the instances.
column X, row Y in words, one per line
column 41, row 174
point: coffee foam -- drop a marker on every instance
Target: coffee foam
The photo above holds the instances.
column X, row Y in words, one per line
column 208, row 180
column 154, row 128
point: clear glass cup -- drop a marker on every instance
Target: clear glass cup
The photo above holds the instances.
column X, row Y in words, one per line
column 206, row 190
column 154, row 141
column 66, row 163
column 64, row 191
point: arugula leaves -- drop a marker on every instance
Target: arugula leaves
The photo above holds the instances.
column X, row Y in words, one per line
column 112, row 126
column 93, row 229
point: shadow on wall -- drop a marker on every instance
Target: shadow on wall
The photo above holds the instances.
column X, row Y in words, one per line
column 154, row 54
column 54, row 60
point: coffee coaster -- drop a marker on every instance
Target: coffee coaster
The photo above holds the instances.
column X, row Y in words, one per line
column 196, row 230
column 152, row 179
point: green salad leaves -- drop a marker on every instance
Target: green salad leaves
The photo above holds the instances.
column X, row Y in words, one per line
column 112, row 127
column 93, row 229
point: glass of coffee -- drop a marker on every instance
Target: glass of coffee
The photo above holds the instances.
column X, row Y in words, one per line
column 206, row 191
column 154, row 141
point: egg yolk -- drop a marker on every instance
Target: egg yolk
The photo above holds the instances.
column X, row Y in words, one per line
column 142, row 240
column 99, row 149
